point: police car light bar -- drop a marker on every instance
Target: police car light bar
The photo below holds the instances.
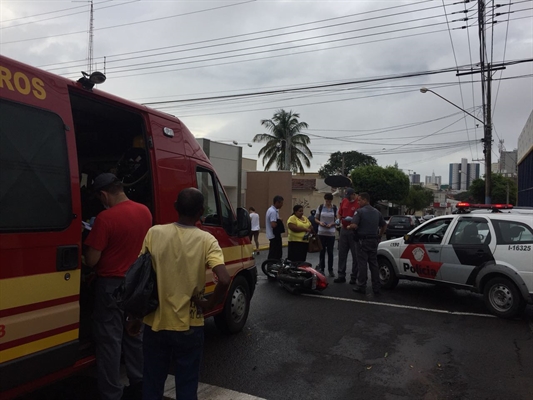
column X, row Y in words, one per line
column 484, row 206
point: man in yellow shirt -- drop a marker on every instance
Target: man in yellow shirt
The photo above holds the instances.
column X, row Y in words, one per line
column 174, row 336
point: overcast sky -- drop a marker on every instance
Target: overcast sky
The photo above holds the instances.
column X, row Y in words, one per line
column 158, row 51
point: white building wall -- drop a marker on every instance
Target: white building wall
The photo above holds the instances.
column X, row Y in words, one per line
column 226, row 159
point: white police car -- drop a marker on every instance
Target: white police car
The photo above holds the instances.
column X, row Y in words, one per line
column 486, row 253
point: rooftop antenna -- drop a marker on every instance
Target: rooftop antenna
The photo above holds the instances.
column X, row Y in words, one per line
column 91, row 34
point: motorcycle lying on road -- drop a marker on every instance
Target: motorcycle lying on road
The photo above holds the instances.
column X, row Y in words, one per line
column 295, row 277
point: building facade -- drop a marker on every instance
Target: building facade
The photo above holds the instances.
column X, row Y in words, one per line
column 462, row 174
column 227, row 161
column 433, row 181
column 525, row 164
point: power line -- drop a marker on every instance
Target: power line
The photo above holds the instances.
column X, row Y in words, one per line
column 260, row 32
column 132, row 23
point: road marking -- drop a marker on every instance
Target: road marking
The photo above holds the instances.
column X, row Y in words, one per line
column 400, row 306
column 208, row 392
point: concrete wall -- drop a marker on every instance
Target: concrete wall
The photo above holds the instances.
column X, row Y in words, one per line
column 262, row 186
column 248, row 165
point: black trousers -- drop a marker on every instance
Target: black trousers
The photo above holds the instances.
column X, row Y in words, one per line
column 297, row 251
column 275, row 249
column 367, row 258
column 327, row 245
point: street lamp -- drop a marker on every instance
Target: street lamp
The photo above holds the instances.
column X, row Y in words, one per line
column 486, row 140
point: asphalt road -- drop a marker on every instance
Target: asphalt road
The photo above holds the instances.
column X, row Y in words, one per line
column 417, row 342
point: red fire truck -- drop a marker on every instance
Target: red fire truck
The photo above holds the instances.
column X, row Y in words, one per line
column 56, row 135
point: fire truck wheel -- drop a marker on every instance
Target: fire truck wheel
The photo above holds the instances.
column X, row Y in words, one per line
column 387, row 276
column 236, row 308
column 503, row 298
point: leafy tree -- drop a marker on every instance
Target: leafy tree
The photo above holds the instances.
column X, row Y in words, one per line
column 285, row 128
column 381, row 183
column 465, row 196
column 352, row 159
column 498, row 190
column 418, row 198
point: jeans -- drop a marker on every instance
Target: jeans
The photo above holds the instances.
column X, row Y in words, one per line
column 327, row 245
column 179, row 351
column 347, row 244
column 367, row 252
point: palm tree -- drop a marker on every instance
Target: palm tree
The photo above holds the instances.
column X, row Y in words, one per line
column 285, row 145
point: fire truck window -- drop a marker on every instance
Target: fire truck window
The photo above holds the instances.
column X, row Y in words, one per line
column 206, row 184
column 34, row 170
column 228, row 219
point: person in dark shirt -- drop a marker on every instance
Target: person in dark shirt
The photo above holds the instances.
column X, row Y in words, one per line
column 369, row 226
column 314, row 223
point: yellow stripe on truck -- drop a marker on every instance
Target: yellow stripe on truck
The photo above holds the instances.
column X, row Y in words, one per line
column 24, row 290
column 30, row 323
column 38, row 345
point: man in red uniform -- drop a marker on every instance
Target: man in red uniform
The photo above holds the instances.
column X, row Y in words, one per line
column 113, row 244
column 347, row 208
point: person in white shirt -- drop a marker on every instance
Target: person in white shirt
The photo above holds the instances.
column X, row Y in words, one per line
column 325, row 217
column 274, row 228
column 254, row 219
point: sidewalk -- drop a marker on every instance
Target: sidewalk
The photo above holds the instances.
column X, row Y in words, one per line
column 264, row 243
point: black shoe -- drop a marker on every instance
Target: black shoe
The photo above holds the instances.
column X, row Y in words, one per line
column 352, row 282
column 359, row 290
column 340, row 279
column 331, row 274
column 133, row 392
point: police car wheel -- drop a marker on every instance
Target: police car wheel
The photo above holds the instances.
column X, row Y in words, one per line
column 236, row 307
column 503, row 298
column 387, row 276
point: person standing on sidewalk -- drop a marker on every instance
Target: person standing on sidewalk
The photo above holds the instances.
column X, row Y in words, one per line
column 274, row 228
column 174, row 333
column 325, row 217
column 113, row 245
column 254, row 221
column 347, row 208
column 366, row 222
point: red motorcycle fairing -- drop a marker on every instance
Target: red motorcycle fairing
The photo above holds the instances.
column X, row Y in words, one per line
column 321, row 280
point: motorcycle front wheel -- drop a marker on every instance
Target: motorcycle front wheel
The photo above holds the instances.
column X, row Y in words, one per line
column 270, row 268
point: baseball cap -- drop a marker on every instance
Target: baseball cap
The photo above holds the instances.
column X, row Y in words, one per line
column 349, row 192
column 103, row 180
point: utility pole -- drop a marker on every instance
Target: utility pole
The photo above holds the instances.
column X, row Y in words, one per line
column 485, row 93
column 486, row 81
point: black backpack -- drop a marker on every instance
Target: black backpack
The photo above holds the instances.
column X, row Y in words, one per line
column 137, row 295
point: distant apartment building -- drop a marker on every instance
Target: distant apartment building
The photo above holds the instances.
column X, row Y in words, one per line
column 433, row 181
column 525, row 164
column 507, row 165
column 462, row 174
column 414, row 178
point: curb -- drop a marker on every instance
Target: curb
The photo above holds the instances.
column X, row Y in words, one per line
column 266, row 247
